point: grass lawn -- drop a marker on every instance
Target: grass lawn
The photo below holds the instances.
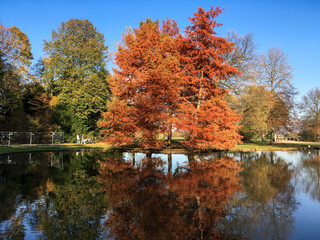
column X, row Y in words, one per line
column 66, row 146
column 280, row 145
column 255, row 146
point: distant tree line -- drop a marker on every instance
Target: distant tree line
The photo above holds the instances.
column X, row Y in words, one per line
column 213, row 90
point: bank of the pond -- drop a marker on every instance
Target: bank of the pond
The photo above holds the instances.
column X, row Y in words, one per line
column 278, row 146
column 62, row 147
column 244, row 147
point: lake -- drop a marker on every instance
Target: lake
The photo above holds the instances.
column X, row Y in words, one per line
column 121, row 195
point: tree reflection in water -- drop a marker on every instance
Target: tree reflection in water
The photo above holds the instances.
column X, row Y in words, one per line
column 73, row 206
column 20, row 184
column 54, row 204
column 148, row 204
column 211, row 197
column 311, row 174
column 266, row 210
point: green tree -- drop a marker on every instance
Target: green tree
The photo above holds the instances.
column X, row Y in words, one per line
column 16, row 50
column 255, row 107
column 75, row 67
column 15, row 60
column 11, row 111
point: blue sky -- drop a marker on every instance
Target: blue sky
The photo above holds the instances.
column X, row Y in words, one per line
column 291, row 25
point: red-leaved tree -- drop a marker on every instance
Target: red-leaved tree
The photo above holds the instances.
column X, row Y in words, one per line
column 145, row 86
column 166, row 81
column 204, row 114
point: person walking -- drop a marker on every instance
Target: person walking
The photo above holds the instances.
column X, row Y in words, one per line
column 78, row 139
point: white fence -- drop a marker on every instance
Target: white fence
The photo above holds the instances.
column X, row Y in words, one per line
column 31, row 138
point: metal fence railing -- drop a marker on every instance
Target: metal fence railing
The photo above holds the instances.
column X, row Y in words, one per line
column 31, row 138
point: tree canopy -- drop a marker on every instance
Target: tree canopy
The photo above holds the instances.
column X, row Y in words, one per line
column 165, row 80
column 310, row 109
column 205, row 115
column 145, row 87
column 75, row 65
column 15, row 59
column 16, row 50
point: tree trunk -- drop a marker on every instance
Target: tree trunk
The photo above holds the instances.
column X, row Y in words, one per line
column 200, row 92
column 170, row 136
column 271, row 137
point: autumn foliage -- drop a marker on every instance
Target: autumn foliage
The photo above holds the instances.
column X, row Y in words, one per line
column 145, row 87
column 165, row 81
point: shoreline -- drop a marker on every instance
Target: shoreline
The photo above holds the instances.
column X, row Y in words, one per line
column 102, row 147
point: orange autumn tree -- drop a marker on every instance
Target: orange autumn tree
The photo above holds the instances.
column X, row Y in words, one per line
column 145, row 86
column 166, row 81
column 204, row 114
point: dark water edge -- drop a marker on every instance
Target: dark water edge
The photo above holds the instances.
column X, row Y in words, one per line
column 119, row 195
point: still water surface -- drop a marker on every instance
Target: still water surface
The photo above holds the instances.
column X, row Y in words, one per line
column 74, row 195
